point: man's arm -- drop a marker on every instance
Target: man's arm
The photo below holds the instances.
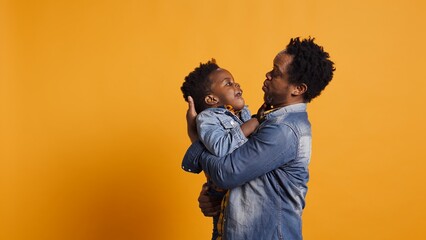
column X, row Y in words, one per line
column 269, row 148
column 210, row 205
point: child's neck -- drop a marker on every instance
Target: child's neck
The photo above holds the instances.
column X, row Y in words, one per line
column 231, row 109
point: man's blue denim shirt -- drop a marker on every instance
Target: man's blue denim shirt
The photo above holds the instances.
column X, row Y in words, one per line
column 220, row 131
column 267, row 177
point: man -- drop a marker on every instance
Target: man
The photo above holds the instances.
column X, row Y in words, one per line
column 268, row 175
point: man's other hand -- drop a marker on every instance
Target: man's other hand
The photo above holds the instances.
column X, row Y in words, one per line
column 209, row 205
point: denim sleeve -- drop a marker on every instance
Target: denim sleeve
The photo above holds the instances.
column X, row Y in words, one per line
column 267, row 149
column 219, row 133
column 190, row 162
column 245, row 114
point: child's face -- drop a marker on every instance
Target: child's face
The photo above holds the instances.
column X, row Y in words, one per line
column 226, row 90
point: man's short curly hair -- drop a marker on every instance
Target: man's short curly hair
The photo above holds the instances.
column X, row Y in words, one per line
column 198, row 84
column 310, row 65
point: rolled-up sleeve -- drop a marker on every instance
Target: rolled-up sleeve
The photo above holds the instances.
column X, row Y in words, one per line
column 190, row 162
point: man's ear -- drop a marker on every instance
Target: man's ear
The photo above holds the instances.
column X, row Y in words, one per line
column 299, row 89
column 211, row 100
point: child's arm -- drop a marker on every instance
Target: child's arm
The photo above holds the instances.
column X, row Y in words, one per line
column 220, row 135
column 249, row 126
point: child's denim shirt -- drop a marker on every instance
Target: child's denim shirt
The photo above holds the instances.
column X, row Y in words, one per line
column 219, row 130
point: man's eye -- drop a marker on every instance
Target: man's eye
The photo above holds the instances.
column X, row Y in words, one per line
column 275, row 73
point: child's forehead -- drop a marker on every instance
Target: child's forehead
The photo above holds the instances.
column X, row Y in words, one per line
column 221, row 74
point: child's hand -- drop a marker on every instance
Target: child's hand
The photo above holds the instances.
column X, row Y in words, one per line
column 190, row 120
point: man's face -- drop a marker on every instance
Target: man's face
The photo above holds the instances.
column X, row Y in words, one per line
column 276, row 87
column 226, row 90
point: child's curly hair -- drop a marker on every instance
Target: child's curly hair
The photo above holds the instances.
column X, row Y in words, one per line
column 197, row 84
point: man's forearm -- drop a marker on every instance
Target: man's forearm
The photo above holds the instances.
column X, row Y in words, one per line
column 192, row 134
column 266, row 150
column 190, row 162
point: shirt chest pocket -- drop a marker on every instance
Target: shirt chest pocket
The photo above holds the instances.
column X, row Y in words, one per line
column 229, row 123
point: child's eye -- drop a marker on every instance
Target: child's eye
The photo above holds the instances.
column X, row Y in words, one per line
column 229, row 83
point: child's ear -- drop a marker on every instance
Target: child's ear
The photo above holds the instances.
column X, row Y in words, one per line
column 211, row 100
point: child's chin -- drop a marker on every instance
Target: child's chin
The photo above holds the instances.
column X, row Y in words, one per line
column 239, row 107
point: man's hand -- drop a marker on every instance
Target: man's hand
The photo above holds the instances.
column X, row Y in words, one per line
column 190, row 120
column 209, row 205
column 261, row 112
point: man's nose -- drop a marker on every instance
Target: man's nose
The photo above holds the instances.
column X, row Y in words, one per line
column 268, row 75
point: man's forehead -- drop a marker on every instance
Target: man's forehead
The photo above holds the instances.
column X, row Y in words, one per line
column 282, row 58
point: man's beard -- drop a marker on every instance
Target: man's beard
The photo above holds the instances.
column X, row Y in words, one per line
column 268, row 99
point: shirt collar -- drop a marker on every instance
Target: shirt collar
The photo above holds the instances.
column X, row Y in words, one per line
column 221, row 109
column 298, row 107
column 217, row 109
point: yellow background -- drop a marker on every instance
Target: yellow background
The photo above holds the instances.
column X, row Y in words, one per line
column 92, row 127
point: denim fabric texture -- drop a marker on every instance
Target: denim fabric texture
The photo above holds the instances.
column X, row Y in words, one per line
column 219, row 195
column 219, row 130
column 267, row 177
